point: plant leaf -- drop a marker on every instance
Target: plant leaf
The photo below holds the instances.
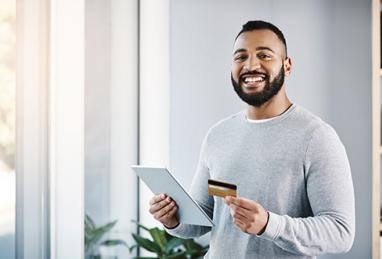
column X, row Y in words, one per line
column 159, row 237
column 173, row 243
column 131, row 248
column 190, row 244
column 140, row 225
column 197, row 254
column 105, row 228
column 97, row 234
column 96, row 237
column 140, row 257
column 89, row 228
column 89, row 222
column 114, row 242
column 178, row 255
column 147, row 244
column 195, row 250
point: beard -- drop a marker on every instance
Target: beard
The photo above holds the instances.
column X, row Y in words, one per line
column 271, row 88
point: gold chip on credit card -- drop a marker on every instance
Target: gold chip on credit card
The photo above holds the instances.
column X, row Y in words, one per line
column 221, row 189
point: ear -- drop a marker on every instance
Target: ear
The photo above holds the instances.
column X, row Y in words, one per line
column 288, row 66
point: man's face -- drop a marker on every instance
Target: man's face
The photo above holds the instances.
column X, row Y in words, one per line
column 259, row 65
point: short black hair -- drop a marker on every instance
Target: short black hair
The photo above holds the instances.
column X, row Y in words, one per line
column 262, row 25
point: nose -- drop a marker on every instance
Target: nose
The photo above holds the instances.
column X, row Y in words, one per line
column 252, row 63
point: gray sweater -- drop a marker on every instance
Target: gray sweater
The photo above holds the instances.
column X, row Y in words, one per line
column 296, row 167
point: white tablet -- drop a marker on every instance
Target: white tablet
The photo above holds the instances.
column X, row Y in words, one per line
column 160, row 180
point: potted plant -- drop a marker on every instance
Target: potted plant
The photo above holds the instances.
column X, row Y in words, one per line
column 165, row 246
column 95, row 238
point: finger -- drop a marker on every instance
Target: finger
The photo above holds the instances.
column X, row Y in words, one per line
column 157, row 198
column 240, row 224
column 236, row 210
column 245, row 203
column 240, row 217
column 165, row 210
column 169, row 214
column 246, row 213
column 159, row 205
column 228, row 199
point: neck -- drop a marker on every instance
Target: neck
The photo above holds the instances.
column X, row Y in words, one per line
column 272, row 108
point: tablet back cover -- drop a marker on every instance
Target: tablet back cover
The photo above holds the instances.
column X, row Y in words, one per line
column 160, row 180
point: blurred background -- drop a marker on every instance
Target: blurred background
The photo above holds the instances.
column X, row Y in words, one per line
column 7, row 127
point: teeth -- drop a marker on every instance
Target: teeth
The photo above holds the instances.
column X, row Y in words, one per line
column 253, row 79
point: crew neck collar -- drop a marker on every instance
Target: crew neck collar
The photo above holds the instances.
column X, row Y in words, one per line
column 269, row 121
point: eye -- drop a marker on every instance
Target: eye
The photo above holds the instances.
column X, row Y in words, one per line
column 240, row 58
column 264, row 56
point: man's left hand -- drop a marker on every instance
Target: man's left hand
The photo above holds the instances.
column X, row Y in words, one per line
column 249, row 216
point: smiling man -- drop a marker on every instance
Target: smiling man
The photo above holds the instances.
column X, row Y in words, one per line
column 296, row 197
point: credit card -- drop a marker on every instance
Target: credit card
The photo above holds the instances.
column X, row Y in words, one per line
column 221, row 189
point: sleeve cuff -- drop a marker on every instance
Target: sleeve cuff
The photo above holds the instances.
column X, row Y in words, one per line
column 273, row 227
column 172, row 227
column 173, row 231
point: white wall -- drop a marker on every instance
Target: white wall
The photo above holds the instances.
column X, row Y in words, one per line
column 329, row 42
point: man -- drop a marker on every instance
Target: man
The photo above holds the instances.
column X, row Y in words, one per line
column 296, row 197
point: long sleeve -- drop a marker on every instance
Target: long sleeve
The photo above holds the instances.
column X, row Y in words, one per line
column 199, row 192
column 331, row 197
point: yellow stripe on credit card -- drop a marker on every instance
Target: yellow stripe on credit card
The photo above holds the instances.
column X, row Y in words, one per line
column 221, row 189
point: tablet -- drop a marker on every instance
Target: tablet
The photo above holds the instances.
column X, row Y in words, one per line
column 160, row 180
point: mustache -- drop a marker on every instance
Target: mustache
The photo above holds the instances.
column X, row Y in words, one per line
column 253, row 73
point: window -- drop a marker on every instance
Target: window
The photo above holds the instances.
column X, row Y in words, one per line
column 7, row 128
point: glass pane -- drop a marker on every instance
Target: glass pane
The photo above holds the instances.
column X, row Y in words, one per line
column 110, row 128
column 7, row 127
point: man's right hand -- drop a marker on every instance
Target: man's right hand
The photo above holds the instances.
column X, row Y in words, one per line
column 164, row 209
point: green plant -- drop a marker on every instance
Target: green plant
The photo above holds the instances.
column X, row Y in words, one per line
column 166, row 246
column 94, row 238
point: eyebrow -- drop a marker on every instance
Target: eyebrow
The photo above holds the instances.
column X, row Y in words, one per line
column 265, row 48
column 258, row 48
column 239, row 50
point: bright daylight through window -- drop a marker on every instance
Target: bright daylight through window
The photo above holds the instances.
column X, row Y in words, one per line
column 7, row 127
